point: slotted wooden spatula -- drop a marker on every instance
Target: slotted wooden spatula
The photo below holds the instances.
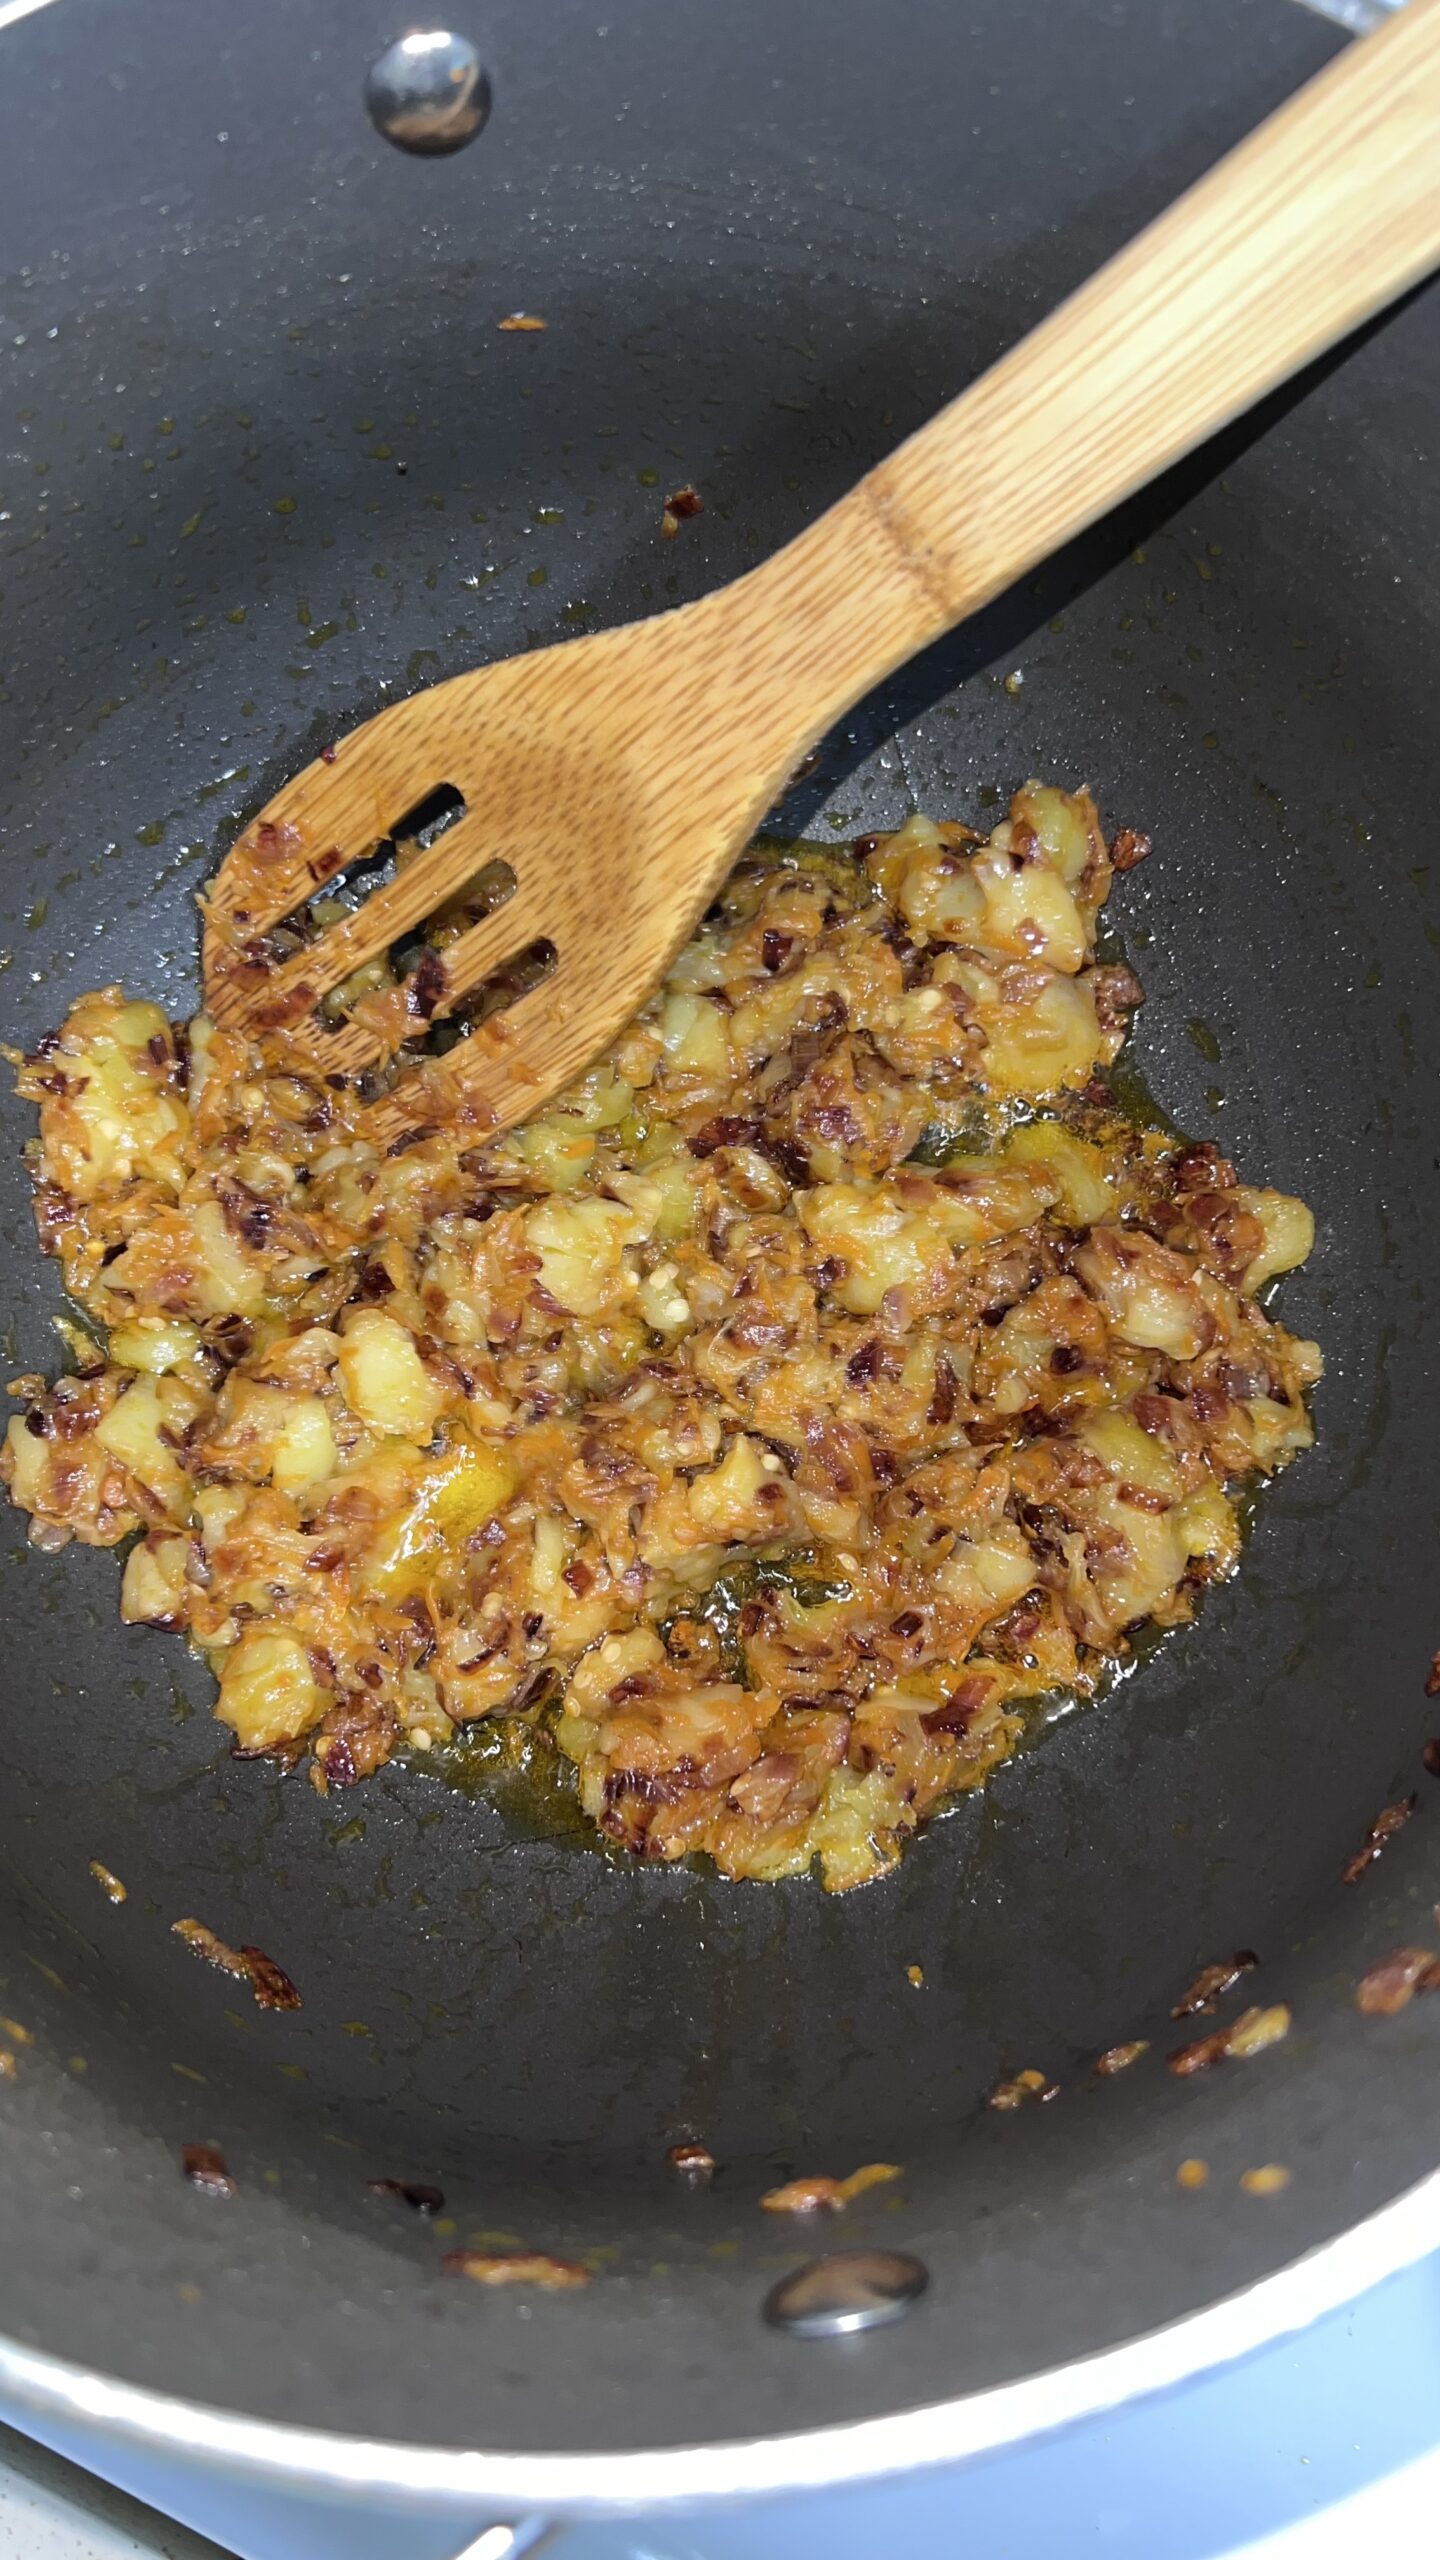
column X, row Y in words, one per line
column 618, row 777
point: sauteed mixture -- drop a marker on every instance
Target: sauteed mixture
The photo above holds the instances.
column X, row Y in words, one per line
column 834, row 1371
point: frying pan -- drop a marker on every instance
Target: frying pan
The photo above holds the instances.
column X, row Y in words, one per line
column 267, row 462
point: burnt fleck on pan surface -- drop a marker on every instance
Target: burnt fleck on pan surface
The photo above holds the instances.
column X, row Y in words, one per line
column 765, row 247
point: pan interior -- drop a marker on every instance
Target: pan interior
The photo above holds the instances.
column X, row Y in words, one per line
column 269, row 462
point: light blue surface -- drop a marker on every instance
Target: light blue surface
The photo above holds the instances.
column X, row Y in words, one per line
column 1188, row 2475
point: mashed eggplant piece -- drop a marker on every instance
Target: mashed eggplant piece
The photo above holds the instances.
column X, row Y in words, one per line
column 834, row 1370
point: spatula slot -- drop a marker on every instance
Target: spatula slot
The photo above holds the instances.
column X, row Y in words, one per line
column 418, row 954
column 516, row 977
column 422, row 825
column 430, row 818
column 492, row 886
column 354, row 882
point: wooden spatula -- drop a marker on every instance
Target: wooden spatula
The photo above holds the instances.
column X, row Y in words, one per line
column 618, row 777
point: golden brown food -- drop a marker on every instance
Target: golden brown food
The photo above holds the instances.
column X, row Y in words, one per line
column 516, row 2266
column 1251, row 2033
column 1027, row 2088
column 1391, row 1985
column 829, row 2195
column 272, row 1988
column 1119, row 2058
column 834, row 1370
column 1271, row 2180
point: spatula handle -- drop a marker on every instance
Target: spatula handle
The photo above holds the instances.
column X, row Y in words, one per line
column 1322, row 216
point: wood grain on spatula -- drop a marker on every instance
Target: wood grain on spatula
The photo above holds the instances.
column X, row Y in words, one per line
column 620, row 776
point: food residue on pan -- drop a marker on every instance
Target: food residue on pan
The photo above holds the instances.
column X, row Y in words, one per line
column 831, row 1375
column 915, row 1976
column 420, row 2198
column 1127, row 848
column 1120, row 2057
column 1025, row 2087
column 680, row 504
column 1391, row 1984
column 518, row 321
column 691, row 2160
column 110, row 1885
column 1192, row 2174
column 1392, row 1818
column 1432, row 1678
column 7, row 2066
column 1246, row 2036
column 204, row 2166
column 829, row 2195
column 272, row 1988
column 1212, row 1982
column 1271, row 2180
column 553, row 2275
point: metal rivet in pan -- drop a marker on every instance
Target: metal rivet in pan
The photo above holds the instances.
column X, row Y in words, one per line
column 428, row 91
column 509, row 2541
column 851, row 2289
column 497, row 2542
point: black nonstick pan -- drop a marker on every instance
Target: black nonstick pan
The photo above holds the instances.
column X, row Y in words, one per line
column 267, row 461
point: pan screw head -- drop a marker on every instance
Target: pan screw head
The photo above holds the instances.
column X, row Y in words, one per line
column 428, row 91
column 851, row 2289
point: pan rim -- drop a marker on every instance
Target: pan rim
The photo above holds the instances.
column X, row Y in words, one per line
column 1324, row 2279
column 283, row 2454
